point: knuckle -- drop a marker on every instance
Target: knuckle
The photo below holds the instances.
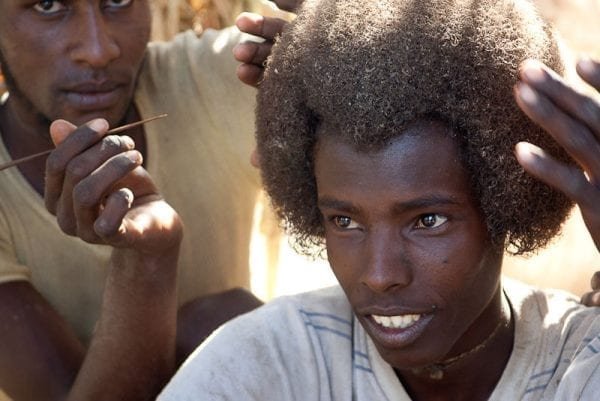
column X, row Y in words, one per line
column 127, row 161
column 578, row 140
column 54, row 164
column 67, row 226
column 104, row 229
column 591, row 110
column 88, row 236
column 112, row 144
column 83, row 196
column 575, row 182
column 77, row 169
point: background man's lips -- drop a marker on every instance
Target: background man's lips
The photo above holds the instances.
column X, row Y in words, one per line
column 93, row 100
column 93, row 86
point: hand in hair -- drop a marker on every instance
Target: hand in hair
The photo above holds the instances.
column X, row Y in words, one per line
column 253, row 55
column 592, row 298
column 573, row 120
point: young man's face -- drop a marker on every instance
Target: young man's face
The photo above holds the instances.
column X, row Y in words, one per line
column 73, row 59
column 409, row 245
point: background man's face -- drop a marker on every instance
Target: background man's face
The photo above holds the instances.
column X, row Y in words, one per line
column 76, row 59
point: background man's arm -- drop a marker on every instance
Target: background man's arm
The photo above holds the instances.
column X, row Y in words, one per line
column 132, row 352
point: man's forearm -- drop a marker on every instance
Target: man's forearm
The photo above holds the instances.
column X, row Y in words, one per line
column 132, row 352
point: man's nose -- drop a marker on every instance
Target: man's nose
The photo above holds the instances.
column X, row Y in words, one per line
column 94, row 41
column 386, row 265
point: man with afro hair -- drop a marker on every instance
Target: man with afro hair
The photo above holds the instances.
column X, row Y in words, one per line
column 389, row 136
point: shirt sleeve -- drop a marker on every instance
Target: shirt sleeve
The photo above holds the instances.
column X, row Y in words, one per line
column 581, row 380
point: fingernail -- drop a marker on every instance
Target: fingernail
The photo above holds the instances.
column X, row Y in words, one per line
column 533, row 72
column 527, row 94
column 98, row 125
column 128, row 141
column 135, row 156
column 527, row 152
column 587, row 65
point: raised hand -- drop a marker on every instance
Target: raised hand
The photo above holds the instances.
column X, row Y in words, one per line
column 253, row 55
column 98, row 190
column 592, row 298
column 573, row 120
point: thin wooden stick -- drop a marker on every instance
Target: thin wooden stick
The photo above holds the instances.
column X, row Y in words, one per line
column 110, row 131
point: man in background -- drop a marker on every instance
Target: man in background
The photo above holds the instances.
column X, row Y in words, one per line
column 81, row 60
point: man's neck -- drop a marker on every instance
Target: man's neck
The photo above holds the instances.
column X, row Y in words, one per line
column 25, row 135
column 472, row 377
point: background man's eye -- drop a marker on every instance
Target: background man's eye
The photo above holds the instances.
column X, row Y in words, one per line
column 118, row 3
column 48, row 6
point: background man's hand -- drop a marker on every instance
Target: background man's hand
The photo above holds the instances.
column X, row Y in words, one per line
column 253, row 55
column 592, row 298
column 99, row 191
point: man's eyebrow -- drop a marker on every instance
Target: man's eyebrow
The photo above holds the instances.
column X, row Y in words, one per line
column 420, row 203
column 426, row 202
column 331, row 203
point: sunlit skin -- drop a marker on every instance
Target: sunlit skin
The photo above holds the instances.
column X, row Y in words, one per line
column 404, row 236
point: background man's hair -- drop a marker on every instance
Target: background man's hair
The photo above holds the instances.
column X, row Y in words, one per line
column 365, row 70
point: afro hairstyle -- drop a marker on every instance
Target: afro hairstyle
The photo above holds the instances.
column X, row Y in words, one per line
column 366, row 70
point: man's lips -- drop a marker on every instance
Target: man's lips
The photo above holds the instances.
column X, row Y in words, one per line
column 93, row 96
column 396, row 327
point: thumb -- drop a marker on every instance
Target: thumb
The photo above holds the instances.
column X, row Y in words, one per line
column 60, row 129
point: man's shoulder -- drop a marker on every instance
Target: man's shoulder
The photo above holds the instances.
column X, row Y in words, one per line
column 551, row 312
column 209, row 41
column 329, row 301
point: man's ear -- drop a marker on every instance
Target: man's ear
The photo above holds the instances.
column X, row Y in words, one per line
column 255, row 158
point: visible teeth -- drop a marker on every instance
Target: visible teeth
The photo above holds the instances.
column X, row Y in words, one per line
column 400, row 321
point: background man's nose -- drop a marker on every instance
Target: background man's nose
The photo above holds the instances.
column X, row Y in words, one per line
column 94, row 44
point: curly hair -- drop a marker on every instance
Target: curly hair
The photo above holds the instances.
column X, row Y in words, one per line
column 366, row 70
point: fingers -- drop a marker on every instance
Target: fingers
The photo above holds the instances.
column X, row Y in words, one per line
column 591, row 298
column 60, row 129
column 76, row 142
column 253, row 55
column 581, row 107
column 288, row 5
column 252, row 52
column 82, row 170
column 265, row 27
column 589, row 70
column 573, row 120
column 250, row 74
column 567, row 179
column 89, row 197
column 255, row 158
column 109, row 225
column 574, row 133
column 595, row 281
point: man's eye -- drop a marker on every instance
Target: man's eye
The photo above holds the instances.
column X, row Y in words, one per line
column 117, row 3
column 48, row 6
column 344, row 222
column 431, row 220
